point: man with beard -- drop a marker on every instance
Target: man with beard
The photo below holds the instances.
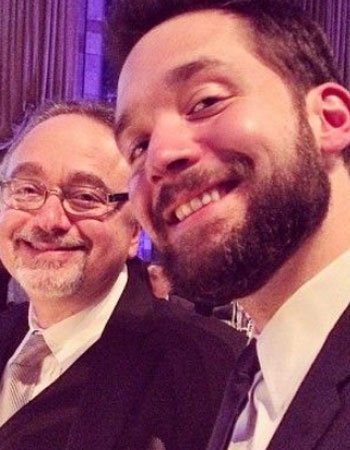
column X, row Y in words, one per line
column 92, row 365
column 237, row 130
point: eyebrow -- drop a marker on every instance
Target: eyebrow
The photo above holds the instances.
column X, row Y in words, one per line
column 86, row 178
column 185, row 72
column 121, row 124
column 29, row 169
column 173, row 77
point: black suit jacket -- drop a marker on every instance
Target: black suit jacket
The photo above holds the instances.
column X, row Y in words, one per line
column 154, row 376
column 319, row 415
column 4, row 280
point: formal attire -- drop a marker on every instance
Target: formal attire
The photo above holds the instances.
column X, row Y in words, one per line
column 152, row 380
column 300, row 399
column 4, row 281
column 66, row 340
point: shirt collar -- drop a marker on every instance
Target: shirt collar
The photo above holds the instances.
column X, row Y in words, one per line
column 291, row 340
column 81, row 329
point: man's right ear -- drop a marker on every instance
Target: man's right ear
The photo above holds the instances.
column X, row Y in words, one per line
column 330, row 103
column 134, row 239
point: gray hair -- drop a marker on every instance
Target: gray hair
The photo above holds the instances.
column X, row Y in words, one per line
column 97, row 111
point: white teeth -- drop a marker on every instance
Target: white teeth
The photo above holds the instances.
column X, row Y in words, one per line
column 186, row 209
column 179, row 214
column 41, row 246
column 215, row 195
column 206, row 199
column 196, row 203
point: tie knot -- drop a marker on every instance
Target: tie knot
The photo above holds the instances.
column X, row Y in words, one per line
column 27, row 364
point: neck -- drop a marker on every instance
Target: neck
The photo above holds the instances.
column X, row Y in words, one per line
column 50, row 310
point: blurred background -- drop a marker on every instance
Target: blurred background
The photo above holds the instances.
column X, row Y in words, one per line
column 55, row 49
column 49, row 49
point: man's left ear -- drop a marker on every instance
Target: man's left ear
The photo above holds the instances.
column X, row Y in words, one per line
column 134, row 240
column 330, row 102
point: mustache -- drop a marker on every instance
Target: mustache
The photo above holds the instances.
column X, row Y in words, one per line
column 239, row 168
column 39, row 236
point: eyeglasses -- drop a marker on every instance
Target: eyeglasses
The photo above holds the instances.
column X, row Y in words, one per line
column 77, row 200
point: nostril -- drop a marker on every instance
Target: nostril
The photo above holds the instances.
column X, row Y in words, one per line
column 156, row 178
column 169, row 169
column 178, row 164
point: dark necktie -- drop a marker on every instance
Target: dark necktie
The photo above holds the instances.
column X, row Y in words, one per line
column 236, row 396
column 223, row 312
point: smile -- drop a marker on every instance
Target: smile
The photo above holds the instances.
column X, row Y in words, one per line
column 46, row 247
column 189, row 202
column 186, row 209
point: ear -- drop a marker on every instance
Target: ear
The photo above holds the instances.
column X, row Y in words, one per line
column 330, row 103
column 134, row 243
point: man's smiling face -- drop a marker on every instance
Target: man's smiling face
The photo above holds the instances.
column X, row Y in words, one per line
column 219, row 151
column 51, row 252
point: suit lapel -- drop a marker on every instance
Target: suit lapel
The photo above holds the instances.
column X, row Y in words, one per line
column 229, row 412
column 120, row 371
column 235, row 398
column 13, row 327
column 117, row 382
column 318, row 399
column 315, row 405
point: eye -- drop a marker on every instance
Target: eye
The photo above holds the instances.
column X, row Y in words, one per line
column 86, row 197
column 138, row 149
column 25, row 189
column 204, row 103
column 208, row 106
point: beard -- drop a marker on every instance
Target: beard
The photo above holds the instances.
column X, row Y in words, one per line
column 47, row 277
column 51, row 280
column 216, row 264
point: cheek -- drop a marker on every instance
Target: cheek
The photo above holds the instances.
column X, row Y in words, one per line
column 235, row 129
column 11, row 221
column 251, row 130
column 141, row 198
column 107, row 239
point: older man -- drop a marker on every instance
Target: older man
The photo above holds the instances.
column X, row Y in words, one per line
column 90, row 365
column 237, row 128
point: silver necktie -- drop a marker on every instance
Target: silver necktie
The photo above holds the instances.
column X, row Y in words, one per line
column 25, row 371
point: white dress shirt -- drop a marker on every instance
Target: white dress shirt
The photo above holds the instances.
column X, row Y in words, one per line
column 67, row 339
column 287, row 347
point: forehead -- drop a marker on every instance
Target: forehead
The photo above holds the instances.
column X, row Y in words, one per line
column 65, row 144
column 209, row 34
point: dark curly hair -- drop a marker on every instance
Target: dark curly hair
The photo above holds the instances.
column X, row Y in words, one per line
column 283, row 36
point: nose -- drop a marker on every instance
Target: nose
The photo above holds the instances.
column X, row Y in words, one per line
column 172, row 149
column 51, row 217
